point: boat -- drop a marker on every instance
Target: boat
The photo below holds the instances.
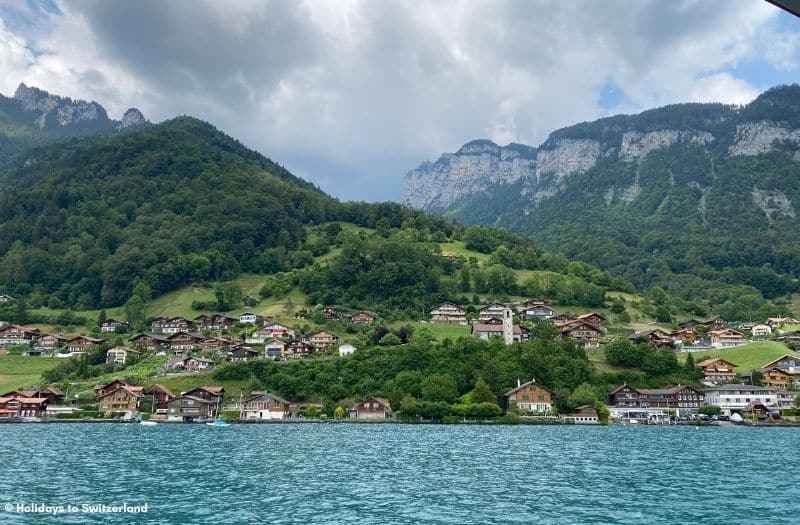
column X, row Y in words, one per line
column 219, row 423
column 148, row 423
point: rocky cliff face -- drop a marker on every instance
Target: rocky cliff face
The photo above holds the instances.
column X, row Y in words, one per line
column 623, row 142
column 57, row 111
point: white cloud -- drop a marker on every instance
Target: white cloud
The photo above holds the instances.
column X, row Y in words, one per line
column 723, row 87
column 353, row 93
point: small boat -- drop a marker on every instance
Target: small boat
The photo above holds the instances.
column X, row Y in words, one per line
column 219, row 423
column 147, row 423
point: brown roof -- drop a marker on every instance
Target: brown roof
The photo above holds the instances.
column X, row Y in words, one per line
column 132, row 390
column 784, row 356
column 523, row 385
column 382, row 400
column 614, row 391
column 707, row 362
column 159, row 388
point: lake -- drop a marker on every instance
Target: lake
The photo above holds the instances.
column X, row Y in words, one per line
column 441, row 474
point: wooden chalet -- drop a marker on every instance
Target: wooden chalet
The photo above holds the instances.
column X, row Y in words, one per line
column 171, row 325
column 323, row 340
column 274, row 348
column 584, row 333
column 101, row 390
column 297, row 349
column 19, row 407
column 161, row 396
column 214, row 322
column 18, row 335
column 183, row 341
column 49, row 343
column 153, row 342
column 492, row 311
column 214, row 394
column 216, row 344
column 197, row 364
column 125, row 398
column 362, row 317
column 717, row 370
column 371, row 408
column 593, row 318
column 779, row 321
column 265, row 406
column 658, row 338
column 189, row 409
column 726, row 338
column 82, row 343
column 242, row 353
column 112, row 326
column 448, row 313
column 530, row 397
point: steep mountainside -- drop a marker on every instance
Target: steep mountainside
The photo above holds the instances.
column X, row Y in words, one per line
column 34, row 117
column 677, row 196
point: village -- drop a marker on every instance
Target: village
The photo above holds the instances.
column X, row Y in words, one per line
column 192, row 346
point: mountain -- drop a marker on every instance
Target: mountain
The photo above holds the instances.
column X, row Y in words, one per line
column 690, row 197
column 34, row 117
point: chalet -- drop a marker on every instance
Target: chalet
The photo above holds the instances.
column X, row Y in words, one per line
column 761, row 330
column 214, row 394
column 624, row 396
column 716, row 370
column 53, row 395
column 119, row 355
column 492, row 311
column 21, row 393
column 530, row 303
column 323, row 340
column 171, row 325
column 330, row 313
column 736, row 398
column 593, row 318
column 122, row 399
column 101, row 390
column 779, row 321
column 242, row 353
column 658, row 338
column 177, row 363
column 161, row 396
column 726, row 338
column 273, row 331
column 362, row 317
column 530, row 397
column 685, row 336
column 11, row 407
column 153, row 342
column 583, row 415
column 188, row 409
column 584, row 333
column 274, row 348
column 216, row 344
column 298, row 348
column 265, row 406
column 182, row 341
column 50, row 342
column 712, row 323
column 372, row 408
column 563, row 318
column 779, row 378
column 787, row 362
column 536, row 311
column 681, row 397
column 790, row 337
column 81, row 343
column 346, row 349
column 197, row 364
column 448, row 313
column 18, row 335
column 112, row 325
column 494, row 328
column 214, row 322
column 251, row 318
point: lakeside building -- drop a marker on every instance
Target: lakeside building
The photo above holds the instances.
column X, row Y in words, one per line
column 530, row 397
column 265, row 406
column 371, row 408
column 736, row 398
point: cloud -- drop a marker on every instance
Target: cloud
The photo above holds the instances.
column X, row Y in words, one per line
column 353, row 93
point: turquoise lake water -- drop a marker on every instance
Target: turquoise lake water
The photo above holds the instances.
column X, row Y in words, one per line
column 442, row 474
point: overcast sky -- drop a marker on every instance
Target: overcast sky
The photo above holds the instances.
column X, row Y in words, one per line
column 352, row 94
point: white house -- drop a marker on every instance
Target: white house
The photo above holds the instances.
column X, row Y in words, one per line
column 251, row 318
column 119, row 354
column 346, row 349
column 735, row 398
column 761, row 330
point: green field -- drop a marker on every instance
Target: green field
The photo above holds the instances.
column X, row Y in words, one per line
column 22, row 371
column 184, row 382
column 439, row 330
column 747, row 357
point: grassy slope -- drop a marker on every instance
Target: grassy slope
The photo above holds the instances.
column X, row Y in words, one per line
column 20, row 371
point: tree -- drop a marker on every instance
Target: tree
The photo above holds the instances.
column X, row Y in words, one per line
column 439, row 387
column 135, row 307
column 229, row 295
column 584, row 394
column 710, row 410
column 481, row 393
column 339, row 413
column 101, row 317
column 389, row 340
